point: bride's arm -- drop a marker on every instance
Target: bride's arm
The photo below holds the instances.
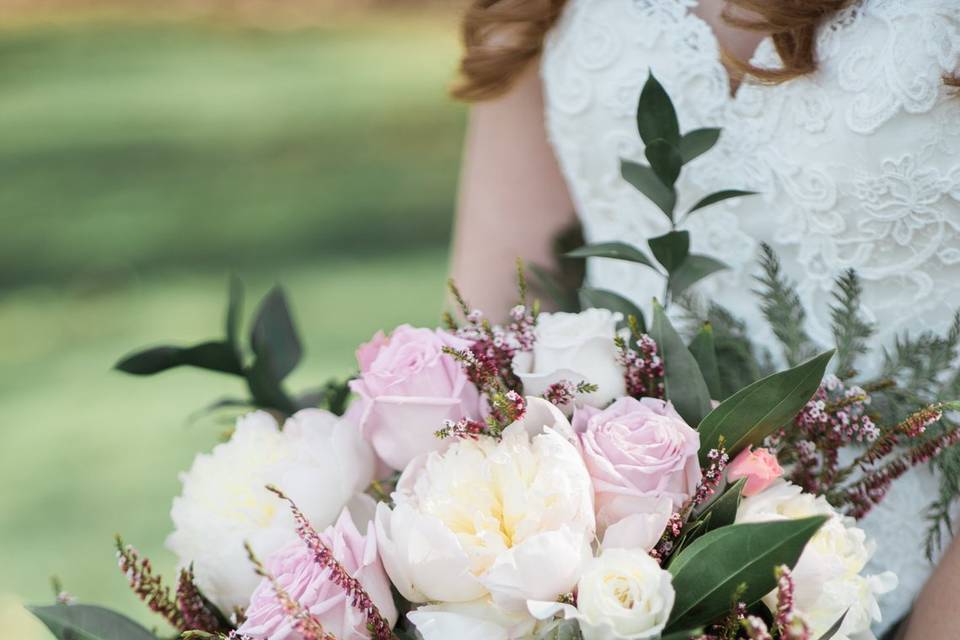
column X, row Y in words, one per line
column 513, row 199
column 937, row 611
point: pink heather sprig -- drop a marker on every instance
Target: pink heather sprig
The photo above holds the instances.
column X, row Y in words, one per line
column 148, row 587
column 643, row 367
column 564, row 392
column 756, row 628
column 465, row 428
column 305, row 623
column 204, row 635
column 194, row 610
column 787, row 622
column 322, row 554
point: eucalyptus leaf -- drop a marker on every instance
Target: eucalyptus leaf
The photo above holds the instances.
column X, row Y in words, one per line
column 682, row 379
column 694, row 269
column 834, row 628
column 88, row 622
column 604, row 299
column 719, row 196
column 708, row 573
column 686, row 634
column 274, row 337
column 697, row 142
column 704, row 351
column 723, row 510
column 671, row 249
column 755, row 412
column 646, row 181
column 213, row 356
column 665, row 160
column 234, row 311
column 613, row 250
column 656, row 116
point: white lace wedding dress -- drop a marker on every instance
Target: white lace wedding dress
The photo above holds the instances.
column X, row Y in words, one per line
column 858, row 166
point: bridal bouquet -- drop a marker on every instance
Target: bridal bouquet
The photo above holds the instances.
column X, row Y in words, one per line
column 571, row 475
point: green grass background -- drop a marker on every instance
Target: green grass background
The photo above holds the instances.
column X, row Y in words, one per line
column 143, row 162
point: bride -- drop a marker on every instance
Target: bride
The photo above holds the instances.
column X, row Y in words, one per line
column 846, row 123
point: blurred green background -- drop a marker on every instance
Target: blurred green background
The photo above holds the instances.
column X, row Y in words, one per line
column 145, row 156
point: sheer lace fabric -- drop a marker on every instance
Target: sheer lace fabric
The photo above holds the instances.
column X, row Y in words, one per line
column 858, row 165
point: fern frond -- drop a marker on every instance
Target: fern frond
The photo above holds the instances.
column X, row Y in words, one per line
column 850, row 330
column 782, row 308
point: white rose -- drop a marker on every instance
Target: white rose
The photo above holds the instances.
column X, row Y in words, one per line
column 623, row 595
column 828, row 578
column 574, row 347
column 509, row 520
column 319, row 460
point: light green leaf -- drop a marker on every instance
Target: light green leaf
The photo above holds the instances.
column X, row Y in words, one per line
column 665, row 161
column 707, row 574
column 704, row 352
column 603, row 299
column 719, row 196
column 682, row 378
column 697, row 142
column 656, row 117
column 723, row 510
column 88, row 622
column 671, row 249
column 755, row 412
column 613, row 250
column 694, row 269
column 646, row 181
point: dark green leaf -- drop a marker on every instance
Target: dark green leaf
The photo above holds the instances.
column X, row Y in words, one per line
column 656, row 117
column 703, row 350
column 603, row 299
column 683, row 382
column 719, row 196
column 214, row 356
column 834, row 628
column 686, row 634
column 665, row 161
column 753, row 413
column 646, row 181
column 694, row 269
column 707, row 574
column 234, row 311
column 671, row 249
column 697, row 142
column 723, row 510
column 274, row 338
column 546, row 282
column 614, row 250
column 87, row 622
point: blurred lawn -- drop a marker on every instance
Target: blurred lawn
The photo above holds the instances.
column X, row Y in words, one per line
column 140, row 165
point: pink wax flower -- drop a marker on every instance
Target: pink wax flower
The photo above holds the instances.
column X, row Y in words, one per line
column 408, row 388
column 310, row 584
column 759, row 467
column 643, row 459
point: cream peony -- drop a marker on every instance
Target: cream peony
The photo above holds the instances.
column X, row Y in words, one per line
column 828, row 578
column 574, row 347
column 319, row 460
column 509, row 521
column 623, row 595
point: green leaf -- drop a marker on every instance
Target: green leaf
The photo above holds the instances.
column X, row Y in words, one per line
column 671, row 249
column 723, row 510
column 646, row 181
column 604, row 299
column 686, row 634
column 234, row 311
column 694, row 269
column 613, row 250
column 753, row 413
column 559, row 630
column 656, row 117
column 665, row 161
column 704, row 351
column 274, row 338
column 707, row 574
column 834, row 628
column 719, row 196
column 682, row 378
column 214, row 356
column 697, row 142
column 87, row 622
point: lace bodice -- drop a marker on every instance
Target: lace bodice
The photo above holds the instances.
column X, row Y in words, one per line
column 858, row 165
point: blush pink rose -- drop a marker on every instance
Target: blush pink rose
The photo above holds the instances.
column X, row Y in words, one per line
column 408, row 387
column 306, row 582
column 759, row 467
column 643, row 460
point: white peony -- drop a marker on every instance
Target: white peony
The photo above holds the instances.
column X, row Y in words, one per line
column 509, row 521
column 474, row 620
column 828, row 578
column 318, row 459
column 575, row 347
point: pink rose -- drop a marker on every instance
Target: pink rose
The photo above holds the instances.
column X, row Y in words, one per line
column 408, row 387
column 759, row 467
column 643, row 461
column 310, row 585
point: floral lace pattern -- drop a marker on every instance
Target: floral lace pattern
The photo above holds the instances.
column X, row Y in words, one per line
column 858, row 165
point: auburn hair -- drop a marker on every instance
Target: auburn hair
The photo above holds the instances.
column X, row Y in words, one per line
column 502, row 36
